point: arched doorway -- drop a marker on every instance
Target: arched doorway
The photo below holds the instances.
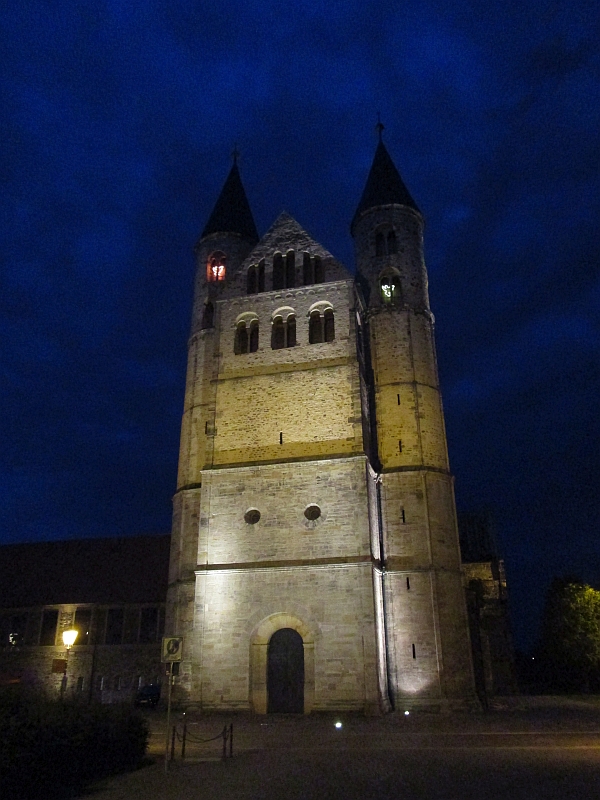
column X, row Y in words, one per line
column 259, row 646
column 285, row 672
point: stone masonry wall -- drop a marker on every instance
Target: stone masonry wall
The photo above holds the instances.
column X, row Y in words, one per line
column 408, row 262
column 317, row 570
column 426, row 614
column 281, row 493
column 274, row 431
column 409, row 411
column 334, row 602
column 197, row 425
column 110, row 673
column 412, row 630
column 236, row 249
column 298, row 402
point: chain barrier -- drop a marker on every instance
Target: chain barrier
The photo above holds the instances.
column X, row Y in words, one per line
column 226, row 735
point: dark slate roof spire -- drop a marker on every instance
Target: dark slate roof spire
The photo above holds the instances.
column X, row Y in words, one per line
column 384, row 185
column 232, row 213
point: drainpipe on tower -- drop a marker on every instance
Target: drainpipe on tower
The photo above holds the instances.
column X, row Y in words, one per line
column 383, row 591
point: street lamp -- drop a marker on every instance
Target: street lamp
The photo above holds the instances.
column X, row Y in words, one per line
column 68, row 638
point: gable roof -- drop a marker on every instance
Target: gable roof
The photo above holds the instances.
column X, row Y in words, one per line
column 287, row 234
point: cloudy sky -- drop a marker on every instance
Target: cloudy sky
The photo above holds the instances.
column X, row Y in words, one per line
column 118, row 120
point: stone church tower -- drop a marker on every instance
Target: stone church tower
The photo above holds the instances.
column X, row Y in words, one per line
column 314, row 560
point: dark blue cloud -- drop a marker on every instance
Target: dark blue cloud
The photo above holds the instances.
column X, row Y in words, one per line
column 117, row 124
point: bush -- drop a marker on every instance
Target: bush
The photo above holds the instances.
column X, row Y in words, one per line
column 47, row 748
column 568, row 652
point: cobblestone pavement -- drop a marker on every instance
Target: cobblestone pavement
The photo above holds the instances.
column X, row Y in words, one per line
column 547, row 750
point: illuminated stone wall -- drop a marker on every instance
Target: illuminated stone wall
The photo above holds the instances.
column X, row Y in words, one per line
column 373, row 585
column 306, row 396
column 275, row 431
column 334, row 602
column 407, row 394
column 281, row 493
column 426, row 622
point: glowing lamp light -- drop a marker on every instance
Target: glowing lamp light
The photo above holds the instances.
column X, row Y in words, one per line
column 217, row 271
column 69, row 638
column 406, row 713
column 338, row 725
column 215, row 267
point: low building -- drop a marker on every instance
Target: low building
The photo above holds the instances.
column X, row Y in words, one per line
column 484, row 580
column 112, row 591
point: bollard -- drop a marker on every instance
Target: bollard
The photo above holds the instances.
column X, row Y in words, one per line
column 231, row 740
column 173, row 742
column 183, row 739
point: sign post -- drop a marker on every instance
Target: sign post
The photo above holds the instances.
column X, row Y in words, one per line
column 172, row 653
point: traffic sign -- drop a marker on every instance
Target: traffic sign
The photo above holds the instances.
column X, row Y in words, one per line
column 172, row 648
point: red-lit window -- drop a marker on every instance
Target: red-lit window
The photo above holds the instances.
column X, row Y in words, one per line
column 215, row 269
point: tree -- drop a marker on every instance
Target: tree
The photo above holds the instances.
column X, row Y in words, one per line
column 569, row 647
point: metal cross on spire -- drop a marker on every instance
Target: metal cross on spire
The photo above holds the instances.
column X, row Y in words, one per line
column 235, row 153
column 379, row 127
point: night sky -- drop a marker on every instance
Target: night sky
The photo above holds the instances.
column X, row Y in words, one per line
column 118, row 121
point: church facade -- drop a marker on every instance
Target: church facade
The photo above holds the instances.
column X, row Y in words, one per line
column 315, row 560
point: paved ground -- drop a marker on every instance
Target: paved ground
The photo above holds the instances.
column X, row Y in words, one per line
column 543, row 749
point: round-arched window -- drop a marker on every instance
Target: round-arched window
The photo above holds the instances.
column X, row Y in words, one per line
column 215, row 267
column 312, row 512
column 390, row 288
column 252, row 516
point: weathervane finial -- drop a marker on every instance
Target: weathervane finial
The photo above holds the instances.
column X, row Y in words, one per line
column 235, row 153
column 379, row 127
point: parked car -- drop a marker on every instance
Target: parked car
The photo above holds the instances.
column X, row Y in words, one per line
column 148, row 695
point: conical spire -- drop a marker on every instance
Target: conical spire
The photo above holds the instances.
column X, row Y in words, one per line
column 384, row 185
column 232, row 213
